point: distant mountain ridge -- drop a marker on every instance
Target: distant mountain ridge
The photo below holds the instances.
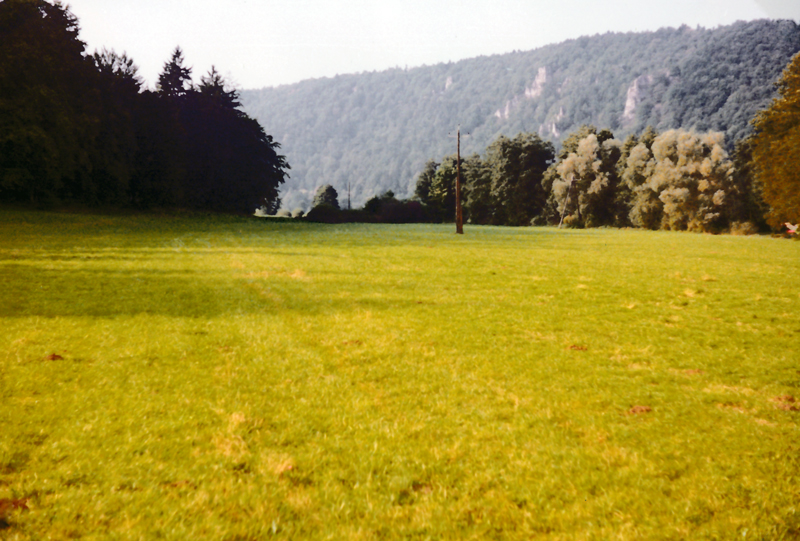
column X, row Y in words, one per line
column 375, row 131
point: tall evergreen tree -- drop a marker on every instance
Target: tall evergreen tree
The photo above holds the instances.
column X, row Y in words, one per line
column 175, row 81
column 214, row 90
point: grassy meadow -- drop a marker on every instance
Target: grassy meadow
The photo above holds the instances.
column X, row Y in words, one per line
column 209, row 377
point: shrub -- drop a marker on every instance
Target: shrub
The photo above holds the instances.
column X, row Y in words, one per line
column 743, row 228
column 324, row 213
column 402, row 212
column 373, row 206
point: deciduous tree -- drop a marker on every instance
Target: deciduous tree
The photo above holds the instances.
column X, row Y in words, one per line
column 776, row 150
column 517, row 167
column 692, row 175
column 424, row 180
column 442, row 194
column 326, row 195
column 586, row 189
column 645, row 209
column 479, row 205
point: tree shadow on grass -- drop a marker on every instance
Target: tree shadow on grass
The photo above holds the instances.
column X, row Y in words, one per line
column 101, row 293
column 31, row 290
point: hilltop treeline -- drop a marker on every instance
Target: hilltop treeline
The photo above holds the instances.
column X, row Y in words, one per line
column 83, row 129
column 376, row 131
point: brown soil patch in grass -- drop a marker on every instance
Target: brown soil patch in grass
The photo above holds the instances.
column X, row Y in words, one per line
column 184, row 483
column 7, row 505
column 786, row 402
column 636, row 410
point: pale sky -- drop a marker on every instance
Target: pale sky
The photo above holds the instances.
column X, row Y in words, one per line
column 274, row 42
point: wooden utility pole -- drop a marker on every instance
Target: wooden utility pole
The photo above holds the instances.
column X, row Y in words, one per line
column 459, row 216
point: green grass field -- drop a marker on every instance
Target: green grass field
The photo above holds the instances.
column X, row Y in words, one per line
column 205, row 377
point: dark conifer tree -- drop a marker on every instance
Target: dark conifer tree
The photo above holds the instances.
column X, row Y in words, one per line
column 175, row 81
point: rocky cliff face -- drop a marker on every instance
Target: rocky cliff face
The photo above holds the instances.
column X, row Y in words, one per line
column 532, row 91
column 638, row 92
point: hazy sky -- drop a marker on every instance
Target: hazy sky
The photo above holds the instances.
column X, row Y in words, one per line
column 273, row 42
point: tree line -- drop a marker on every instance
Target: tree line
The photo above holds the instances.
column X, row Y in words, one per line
column 384, row 208
column 677, row 180
column 81, row 128
column 674, row 180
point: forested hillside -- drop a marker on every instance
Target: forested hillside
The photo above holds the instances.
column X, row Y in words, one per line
column 375, row 131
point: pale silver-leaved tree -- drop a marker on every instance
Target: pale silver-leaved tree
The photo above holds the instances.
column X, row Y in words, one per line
column 684, row 182
column 585, row 187
column 646, row 208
